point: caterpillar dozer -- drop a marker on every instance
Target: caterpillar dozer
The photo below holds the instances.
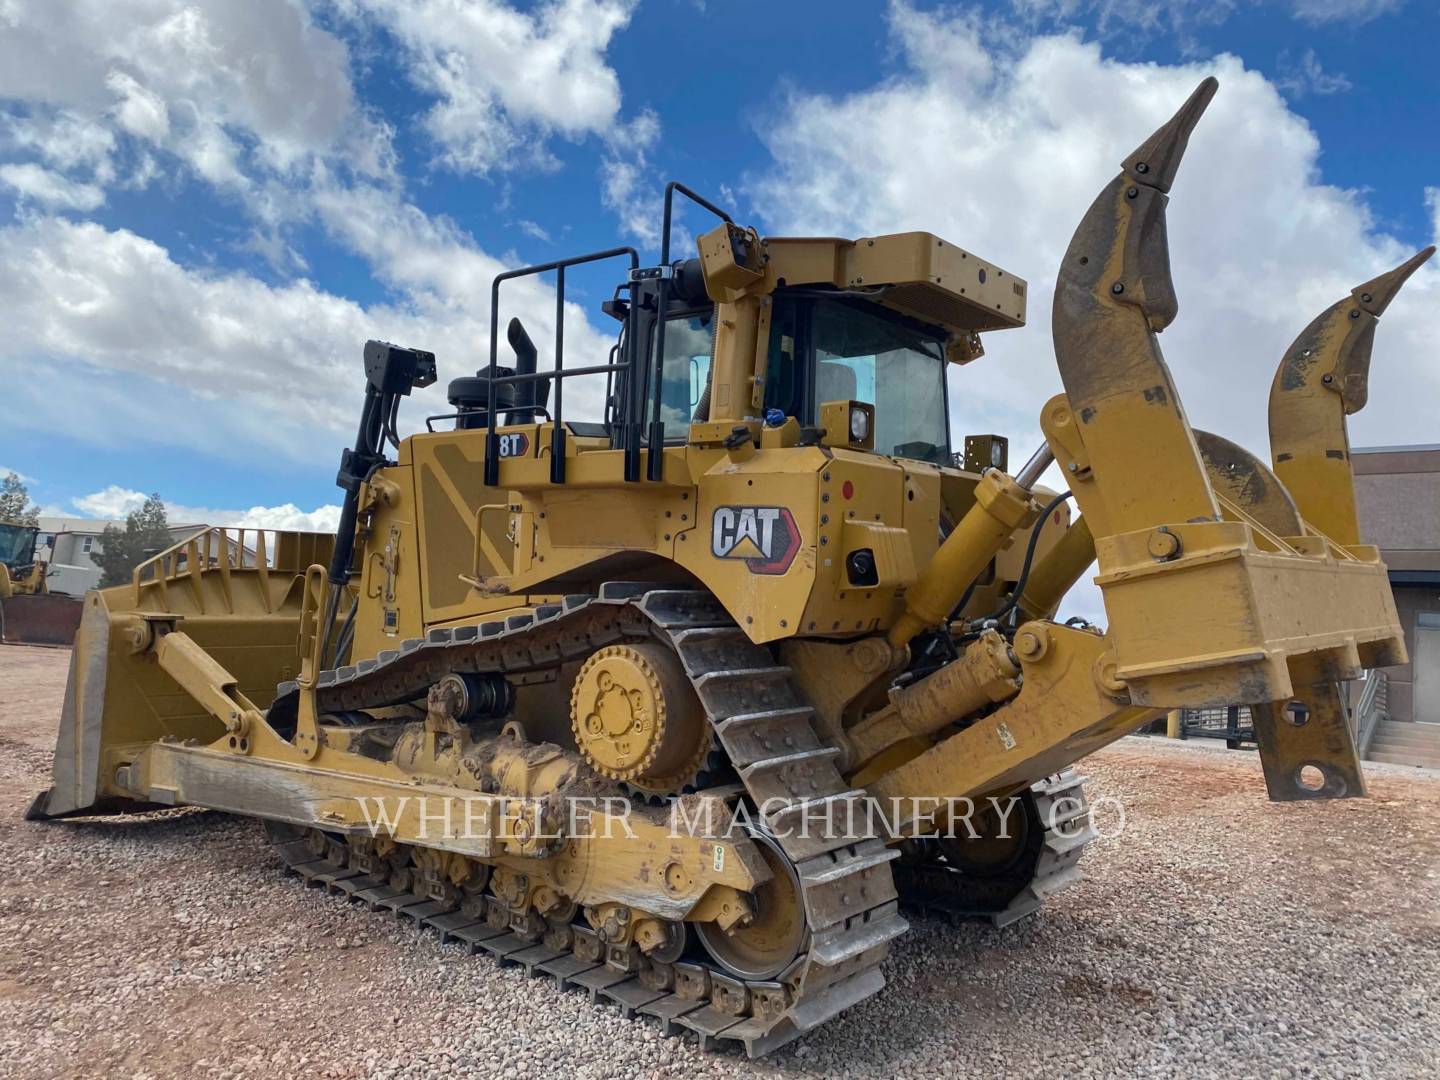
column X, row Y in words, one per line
column 797, row 662
column 30, row 614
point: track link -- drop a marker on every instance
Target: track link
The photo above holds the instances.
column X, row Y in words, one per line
column 765, row 727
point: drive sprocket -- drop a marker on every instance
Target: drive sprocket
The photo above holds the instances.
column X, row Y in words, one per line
column 636, row 719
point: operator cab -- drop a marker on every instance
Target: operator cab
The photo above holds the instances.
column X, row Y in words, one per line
column 849, row 339
column 17, row 545
column 827, row 348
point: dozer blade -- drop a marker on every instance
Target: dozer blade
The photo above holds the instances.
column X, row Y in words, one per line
column 118, row 700
column 41, row 619
column 1218, row 587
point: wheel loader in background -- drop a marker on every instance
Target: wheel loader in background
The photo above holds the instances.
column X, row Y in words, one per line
column 30, row 614
column 759, row 597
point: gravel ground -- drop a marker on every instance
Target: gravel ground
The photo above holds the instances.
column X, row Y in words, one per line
column 1218, row 935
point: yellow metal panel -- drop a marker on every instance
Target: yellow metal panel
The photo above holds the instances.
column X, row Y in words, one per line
column 623, row 520
column 894, row 559
column 1215, row 625
column 928, row 278
column 755, row 544
column 393, row 569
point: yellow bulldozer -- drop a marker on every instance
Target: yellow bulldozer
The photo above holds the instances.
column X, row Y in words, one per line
column 30, row 614
column 686, row 706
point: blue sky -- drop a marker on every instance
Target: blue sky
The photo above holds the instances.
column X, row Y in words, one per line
column 206, row 208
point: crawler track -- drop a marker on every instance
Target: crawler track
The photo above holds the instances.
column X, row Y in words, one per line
column 1063, row 814
column 764, row 726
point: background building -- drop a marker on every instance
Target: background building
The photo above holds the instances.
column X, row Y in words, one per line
column 70, row 545
column 1397, row 490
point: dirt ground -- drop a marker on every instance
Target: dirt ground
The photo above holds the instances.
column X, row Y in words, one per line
column 1218, row 935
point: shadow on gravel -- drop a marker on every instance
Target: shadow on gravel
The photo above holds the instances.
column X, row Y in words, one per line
column 154, row 822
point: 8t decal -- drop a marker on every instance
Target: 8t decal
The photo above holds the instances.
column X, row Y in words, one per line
column 513, row 444
column 765, row 537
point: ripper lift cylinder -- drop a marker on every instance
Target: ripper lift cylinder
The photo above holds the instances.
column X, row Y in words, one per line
column 1062, row 566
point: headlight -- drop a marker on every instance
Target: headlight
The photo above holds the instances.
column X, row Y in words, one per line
column 859, row 425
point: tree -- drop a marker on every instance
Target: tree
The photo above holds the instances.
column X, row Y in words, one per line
column 146, row 533
column 15, row 504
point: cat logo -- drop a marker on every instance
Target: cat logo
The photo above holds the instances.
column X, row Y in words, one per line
column 513, row 444
column 765, row 537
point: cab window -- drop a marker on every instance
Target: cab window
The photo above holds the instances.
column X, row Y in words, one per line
column 863, row 354
column 689, row 346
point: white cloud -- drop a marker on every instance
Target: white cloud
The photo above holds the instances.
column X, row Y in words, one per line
column 1006, row 167
column 1356, row 11
column 67, row 141
column 119, row 302
column 1135, row 21
column 145, row 171
column 534, row 230
column 626, row 186
column 140, row 111
column 49, row 188
column 247, row 95
column 256, row 100
column 1306, row 76
column 287, row 516
column 944, row 48
column 232, row 365
column 447, row 279
column 504, row 79
column 1120, row 18
column 114, row 503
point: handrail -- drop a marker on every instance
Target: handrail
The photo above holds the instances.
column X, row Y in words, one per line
column 1371, row 708
column 221, row 549
column 630, row 442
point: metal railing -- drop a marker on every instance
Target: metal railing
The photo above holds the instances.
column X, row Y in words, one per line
column 639, row 366
column 1233, row 724
column 627, row 440
column 1371, row 708
column 223, row 549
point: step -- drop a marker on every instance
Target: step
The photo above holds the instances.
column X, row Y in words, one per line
column 1403, row 746
column 1407, row 732
column 1420, row 730
column 1391, row 747
column 1401, row 752
column 1390, row 742
column 1415, row 738
column 1401, row 757
column 1407, row 741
